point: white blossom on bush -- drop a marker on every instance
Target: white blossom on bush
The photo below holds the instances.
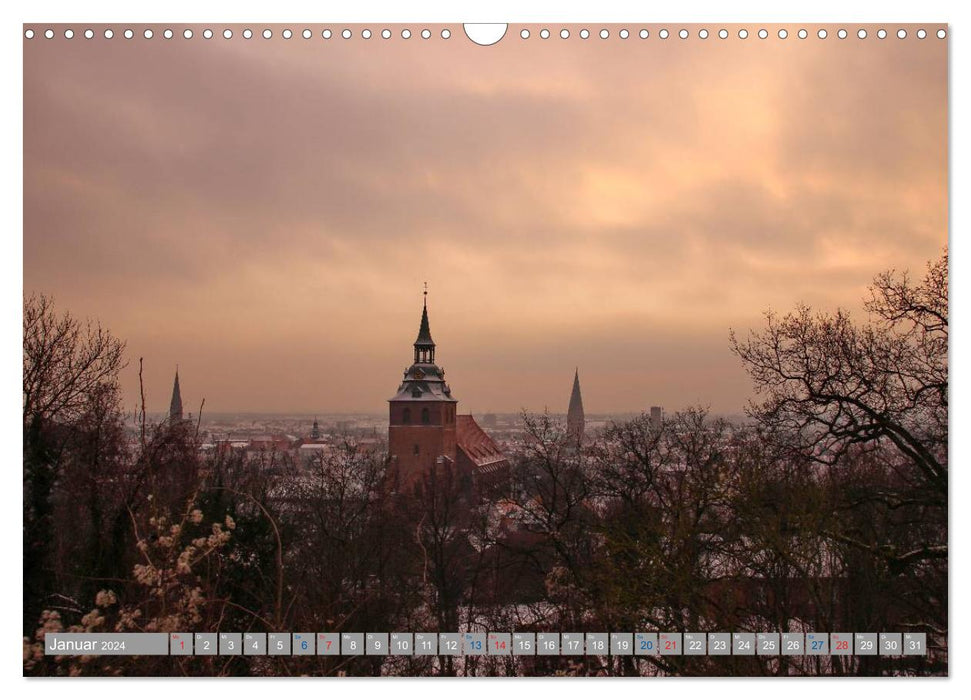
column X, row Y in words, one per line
column 172, row 598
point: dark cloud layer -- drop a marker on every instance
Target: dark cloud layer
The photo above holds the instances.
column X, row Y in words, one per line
column 263, row 213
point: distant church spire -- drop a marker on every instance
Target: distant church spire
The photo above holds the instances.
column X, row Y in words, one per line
column 424, row 345
column 575, row 422
column 175, row 408
column 315, row 431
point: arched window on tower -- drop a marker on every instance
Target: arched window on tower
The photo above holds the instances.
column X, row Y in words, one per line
column 425, row 418
column 406, row 416
column 417, row 451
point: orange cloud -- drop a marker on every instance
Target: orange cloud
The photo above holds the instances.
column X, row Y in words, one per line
column 264, row 212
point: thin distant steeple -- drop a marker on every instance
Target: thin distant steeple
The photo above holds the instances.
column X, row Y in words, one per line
column 315, row 431
column 424, row 345
column 575, row 422
column 175, row 407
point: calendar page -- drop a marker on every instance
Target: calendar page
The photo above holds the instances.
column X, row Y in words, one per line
column 544, row 349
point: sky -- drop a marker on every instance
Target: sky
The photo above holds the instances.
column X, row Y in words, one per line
column 264, row 213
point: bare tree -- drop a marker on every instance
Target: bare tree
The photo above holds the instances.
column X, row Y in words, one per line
column 837, row 384
column 70, row 371
column 868, row 402
column 65, row 360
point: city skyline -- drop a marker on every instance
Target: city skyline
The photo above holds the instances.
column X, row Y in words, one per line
column 265, row 219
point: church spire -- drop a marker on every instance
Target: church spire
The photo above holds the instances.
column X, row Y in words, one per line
column 575, row 422
column 424, row 380
column 175, row 407
column 424, row 345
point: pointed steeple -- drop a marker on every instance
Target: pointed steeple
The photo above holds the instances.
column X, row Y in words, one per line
column 424, row 345
column 175, row 407
column 575, row 422
column 424, row 380
column 315, row 431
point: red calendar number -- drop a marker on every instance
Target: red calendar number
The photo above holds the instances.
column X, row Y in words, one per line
column 842, row 645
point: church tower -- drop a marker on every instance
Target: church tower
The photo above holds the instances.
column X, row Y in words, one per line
column 175, row 406
column 575, row 422
column 421, row 430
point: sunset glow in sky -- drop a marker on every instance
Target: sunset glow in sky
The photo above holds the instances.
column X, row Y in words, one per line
column 264, row 213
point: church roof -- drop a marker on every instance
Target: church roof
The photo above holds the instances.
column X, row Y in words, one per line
column 481, row 450
column 424, row 333
column 430, row 388
column 424, row 380
column 175, row 406
column 576, row 401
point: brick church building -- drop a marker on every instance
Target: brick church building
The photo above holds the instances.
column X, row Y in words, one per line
column 425, row 430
